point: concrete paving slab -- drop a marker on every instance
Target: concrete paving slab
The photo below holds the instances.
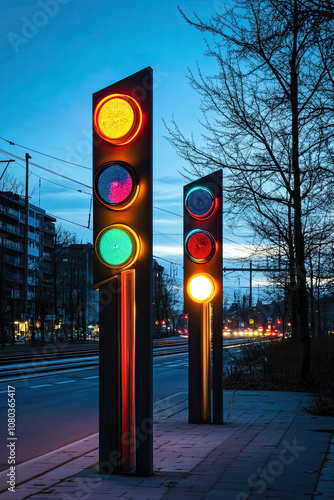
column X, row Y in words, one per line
column 268, row 448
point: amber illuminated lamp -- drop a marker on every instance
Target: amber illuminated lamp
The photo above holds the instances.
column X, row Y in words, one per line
column 117, row 119
column 201, row 288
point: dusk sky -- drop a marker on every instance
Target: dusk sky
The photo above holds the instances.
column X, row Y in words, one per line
column 55, row 54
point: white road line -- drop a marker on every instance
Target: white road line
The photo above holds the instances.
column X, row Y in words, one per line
column 3, row 391
column 42, row 385
column 65, row 382
column 88, row 378
column 168, row 397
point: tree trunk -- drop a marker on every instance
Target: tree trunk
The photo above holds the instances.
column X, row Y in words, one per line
column 312, row 299
column 302, row 299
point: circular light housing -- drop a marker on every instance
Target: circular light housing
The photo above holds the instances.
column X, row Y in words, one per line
column 116, row 185
column 200, row 246
column 201, row 287
column 200, row 202
column 117, row 246
column 118, row 118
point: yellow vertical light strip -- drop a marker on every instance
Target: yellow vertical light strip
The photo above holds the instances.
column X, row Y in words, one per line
column 128, row 312
column 206, row 364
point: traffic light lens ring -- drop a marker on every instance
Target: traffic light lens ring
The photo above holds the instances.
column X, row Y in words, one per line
column 116, row 185
column 201, row 288
column 200, row 246
column 200, row 202
column 117, row 119
column 117, row 246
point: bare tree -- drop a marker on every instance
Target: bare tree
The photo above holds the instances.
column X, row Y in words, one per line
column 165, row 299
column 267, row 124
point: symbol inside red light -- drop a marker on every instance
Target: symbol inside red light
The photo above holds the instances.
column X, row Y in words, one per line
column 115, row 185
column 200, row 246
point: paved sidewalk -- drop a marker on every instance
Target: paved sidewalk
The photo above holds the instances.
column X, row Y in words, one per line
column 268, row 448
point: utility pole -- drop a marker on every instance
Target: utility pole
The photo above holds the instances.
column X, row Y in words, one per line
column 26, row 241
column 250, row 285
column 5, row 161
column 250, row 269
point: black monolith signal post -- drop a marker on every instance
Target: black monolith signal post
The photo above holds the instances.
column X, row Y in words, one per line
column 122, row 211
column 203, row 298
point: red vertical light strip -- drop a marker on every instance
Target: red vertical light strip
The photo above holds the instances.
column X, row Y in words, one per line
column 206, row 363
column 128, row 312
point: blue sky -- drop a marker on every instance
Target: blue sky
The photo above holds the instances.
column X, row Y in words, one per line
column 56, row 53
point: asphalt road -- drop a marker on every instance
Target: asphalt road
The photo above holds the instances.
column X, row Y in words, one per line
column 55, row 410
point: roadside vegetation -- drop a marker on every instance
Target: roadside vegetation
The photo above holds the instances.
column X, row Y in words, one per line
column 274, row 366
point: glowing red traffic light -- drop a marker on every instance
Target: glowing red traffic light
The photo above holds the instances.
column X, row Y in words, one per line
column 200, row 246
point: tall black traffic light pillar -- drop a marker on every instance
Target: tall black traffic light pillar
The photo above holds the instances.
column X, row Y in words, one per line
column 122, row 210
column 203, row 298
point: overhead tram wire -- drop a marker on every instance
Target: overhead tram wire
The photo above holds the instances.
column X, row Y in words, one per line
column 57, row 216
column 77, row 182
column 164, row 210
column 46, row 169
column 70, row 221
column 167, row 260
column 55, row 183
column 44, row 154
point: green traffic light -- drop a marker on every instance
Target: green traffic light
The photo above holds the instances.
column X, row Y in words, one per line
column 117, row 246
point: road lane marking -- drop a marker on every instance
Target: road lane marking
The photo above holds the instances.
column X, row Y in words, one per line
column 168, row 397
column 88, row 378
column 65, row 382
column 42, row 385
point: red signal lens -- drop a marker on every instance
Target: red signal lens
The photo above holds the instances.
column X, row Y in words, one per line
column 200, row 246
column 116, row 185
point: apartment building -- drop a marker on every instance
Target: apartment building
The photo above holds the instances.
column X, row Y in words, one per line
column 15, row 297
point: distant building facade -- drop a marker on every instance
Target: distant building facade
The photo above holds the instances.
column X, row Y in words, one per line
column 41, row 231
column 77, row 303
